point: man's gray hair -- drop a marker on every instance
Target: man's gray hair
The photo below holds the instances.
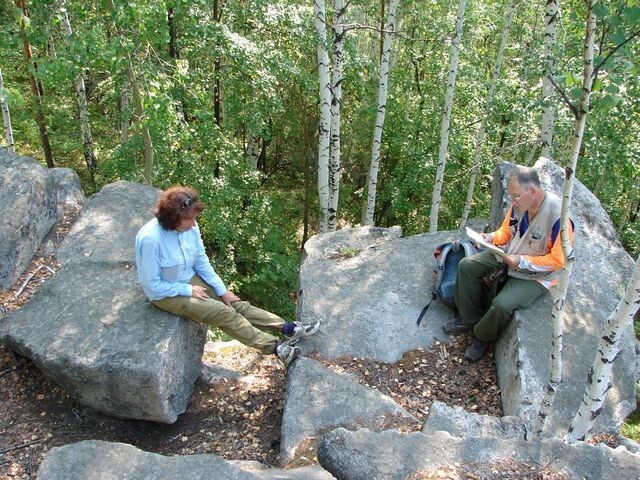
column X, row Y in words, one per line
column 524, row 176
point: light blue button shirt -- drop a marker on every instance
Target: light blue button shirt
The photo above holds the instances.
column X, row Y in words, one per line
column 167, row 260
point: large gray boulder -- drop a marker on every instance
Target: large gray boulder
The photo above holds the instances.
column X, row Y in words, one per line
column 69, row 194
column 28, row 206
column 368, row 286
column 460, row 423
column 319, row 400
column 98, row 460
column 600, row 273
column 107, row 226
column 91, row 328
column 389, row 455
column 266, row 472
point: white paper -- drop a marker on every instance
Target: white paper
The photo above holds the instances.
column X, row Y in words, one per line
column 476, row 237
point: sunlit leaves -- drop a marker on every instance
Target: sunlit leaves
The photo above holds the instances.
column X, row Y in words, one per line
column 262, row 54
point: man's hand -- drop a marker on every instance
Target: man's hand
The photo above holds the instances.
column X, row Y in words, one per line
column 229, row 297
column 511, row 260
column 198, row 291
column 487, row 237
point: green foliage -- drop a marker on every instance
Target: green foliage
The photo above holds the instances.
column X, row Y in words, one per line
column 631, row 426
column 262, row 55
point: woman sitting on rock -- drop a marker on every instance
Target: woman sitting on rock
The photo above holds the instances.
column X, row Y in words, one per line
column 177, row 276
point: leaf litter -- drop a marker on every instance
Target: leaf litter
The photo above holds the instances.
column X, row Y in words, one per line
column 235, row 418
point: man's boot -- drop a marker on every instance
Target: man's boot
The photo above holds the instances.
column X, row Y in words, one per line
column 455, row 327
column 476, row 350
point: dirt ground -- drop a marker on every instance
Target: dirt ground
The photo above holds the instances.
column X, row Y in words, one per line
column 236, row 419
column 240, row 419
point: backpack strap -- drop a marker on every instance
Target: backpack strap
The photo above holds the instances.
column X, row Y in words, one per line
column 469, row 248
column 439, row 268
column 424, row 310
column 441, row 254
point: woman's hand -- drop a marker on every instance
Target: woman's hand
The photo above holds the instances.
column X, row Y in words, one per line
column 229, row 298
column 198, row 291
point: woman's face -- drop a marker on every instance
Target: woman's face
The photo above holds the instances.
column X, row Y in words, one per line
column 187, row 222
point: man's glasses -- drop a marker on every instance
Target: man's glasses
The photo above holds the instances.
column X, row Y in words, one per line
column 515, row 198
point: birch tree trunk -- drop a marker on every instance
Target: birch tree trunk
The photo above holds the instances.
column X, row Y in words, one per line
column 146, row 135
column 477, row 156
column 253, row 150
column 599, row 378
column 603, row 176
column 6, row 116
column 125, row 117
column 548, row 109
column 336, row 103
column 532, row 153
column 383, row 86
column 217, row 97
column 634, row 198
column 325, row 114
column 558, row 311
column 137, row 101
column 446, row 119
column 40, row 120
column 174, row 51
column 83, row 110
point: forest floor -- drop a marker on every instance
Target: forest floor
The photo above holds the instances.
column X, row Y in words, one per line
column 237, row 419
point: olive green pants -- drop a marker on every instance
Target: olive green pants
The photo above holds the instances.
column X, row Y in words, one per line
column 241, row 320
column 469, row 296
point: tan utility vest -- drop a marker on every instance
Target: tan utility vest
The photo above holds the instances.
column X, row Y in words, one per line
column 535, row 240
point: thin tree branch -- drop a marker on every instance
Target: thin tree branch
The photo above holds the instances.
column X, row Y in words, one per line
column 566, row 99
column 614, row 50
column 355, row 26
column 27, row 280
column 469, row 125
column 18, row 447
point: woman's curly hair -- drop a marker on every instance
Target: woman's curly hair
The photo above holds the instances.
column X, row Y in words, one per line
column 176, row 203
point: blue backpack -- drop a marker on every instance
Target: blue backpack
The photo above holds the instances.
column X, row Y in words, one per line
column 448, row 255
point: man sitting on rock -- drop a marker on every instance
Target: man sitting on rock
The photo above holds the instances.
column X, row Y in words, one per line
column 530, row 236
column 177, row 277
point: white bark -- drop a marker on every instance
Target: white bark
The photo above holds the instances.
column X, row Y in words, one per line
column 6, row 116
column 254, row 148
column 599, row 378
column 336, row 103
column 325, row 114
column 83, row 110
column 557, row 311
column 477, row 156
column 548, row 109
column 570, row 172
column 383, row 86
column 446, row 119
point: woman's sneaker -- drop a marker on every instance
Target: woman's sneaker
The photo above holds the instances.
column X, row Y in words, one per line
column 287, row 353
column 301, row 330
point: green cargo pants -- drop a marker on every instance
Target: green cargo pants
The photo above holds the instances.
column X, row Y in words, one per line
column 469, row 296
column 241, row 320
